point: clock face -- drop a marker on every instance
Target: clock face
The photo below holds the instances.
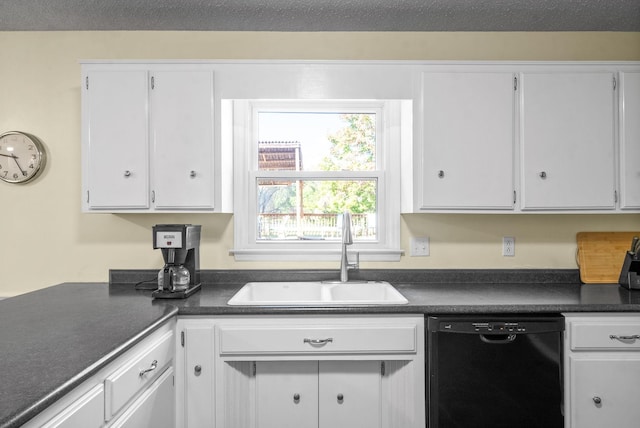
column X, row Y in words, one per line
column 22, row 157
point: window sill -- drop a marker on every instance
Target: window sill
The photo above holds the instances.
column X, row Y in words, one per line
column 288, row 254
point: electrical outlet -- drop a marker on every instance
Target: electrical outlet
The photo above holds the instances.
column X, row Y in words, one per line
column 508, row 246
column 420, row 246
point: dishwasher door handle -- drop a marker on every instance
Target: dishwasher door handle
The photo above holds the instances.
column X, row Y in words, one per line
column 497, row 339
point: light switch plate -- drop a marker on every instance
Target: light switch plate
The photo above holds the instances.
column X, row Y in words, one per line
column 419, row 246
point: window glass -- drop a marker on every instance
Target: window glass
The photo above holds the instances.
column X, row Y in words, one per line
column 312, row 209
column 316, row 141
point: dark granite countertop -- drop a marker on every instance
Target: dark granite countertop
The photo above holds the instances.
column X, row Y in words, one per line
column 55, row 338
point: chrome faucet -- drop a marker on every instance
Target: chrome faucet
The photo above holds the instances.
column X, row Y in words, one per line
column 347, row 239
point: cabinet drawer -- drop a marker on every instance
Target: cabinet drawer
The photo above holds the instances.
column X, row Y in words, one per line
column 136, row 374
column 155, row 407
column 607, row 335
column 87, row 412
column 355, row 339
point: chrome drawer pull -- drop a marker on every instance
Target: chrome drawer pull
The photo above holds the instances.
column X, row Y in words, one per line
column 154, row 365
column 318, row 342
column 632, row 337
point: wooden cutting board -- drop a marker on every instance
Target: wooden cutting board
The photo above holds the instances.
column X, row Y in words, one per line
column 600, row 255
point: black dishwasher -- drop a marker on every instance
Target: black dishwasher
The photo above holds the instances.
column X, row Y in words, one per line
column 495, row 371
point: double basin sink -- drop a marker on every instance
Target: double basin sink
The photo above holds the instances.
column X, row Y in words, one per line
column 317, row 293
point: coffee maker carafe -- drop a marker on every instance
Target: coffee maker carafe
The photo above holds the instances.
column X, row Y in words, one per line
column 180, row 246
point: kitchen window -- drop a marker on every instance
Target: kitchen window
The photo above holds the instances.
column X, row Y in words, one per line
column 299, row 164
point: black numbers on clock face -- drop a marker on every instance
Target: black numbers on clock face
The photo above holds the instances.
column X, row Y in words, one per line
column 21, row 158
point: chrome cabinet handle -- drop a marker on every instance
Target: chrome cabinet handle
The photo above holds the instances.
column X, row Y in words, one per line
column 127, row 173
column 632, row 337
column 340, row 398
column 197, row 370
column 597, row 400
column 441, row 174
column 318, row 342
column 543, row 175
column 154, row 365
column 192, row 174
column 296, row 397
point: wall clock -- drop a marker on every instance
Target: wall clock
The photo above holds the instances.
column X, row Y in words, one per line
column 22, row 157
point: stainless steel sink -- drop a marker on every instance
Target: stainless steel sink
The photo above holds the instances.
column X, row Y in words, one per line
column 317, row 293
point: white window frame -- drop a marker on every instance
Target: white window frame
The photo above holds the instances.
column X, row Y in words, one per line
column 387, row 173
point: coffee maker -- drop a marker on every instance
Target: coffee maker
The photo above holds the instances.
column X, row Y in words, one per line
column 180, row 246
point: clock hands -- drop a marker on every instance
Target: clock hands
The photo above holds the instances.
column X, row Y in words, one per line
column 15, row 159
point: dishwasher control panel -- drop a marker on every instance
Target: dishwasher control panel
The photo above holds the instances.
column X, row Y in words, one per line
column 482, row 325
column 499, row 327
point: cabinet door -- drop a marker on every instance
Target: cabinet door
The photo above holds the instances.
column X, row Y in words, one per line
column 605, row 391
column 630, row 142
column 116, row 138
column 468, row 141
column 350, row 394
column 287, row 394
column 155, row 408
column 567, row 137
column 198, row 397
column 182, row 126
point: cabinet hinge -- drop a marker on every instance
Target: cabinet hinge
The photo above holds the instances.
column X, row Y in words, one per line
column 615, row 83
column 515, row 83
column 153, row 82
column 86, row 82
column 182, row 338
column 383, row 368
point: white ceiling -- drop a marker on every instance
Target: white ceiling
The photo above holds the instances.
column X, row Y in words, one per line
column 321, row 15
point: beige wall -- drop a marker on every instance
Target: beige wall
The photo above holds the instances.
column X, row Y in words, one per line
column 45, row 239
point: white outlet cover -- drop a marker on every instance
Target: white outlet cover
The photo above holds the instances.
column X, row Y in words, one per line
column 508, row 246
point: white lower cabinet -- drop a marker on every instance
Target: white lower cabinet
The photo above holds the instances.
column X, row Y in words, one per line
column 135, row 390
column 350, row 394
column 286, row 394
column 315, row 394
column 301, row 371
column 194, row 373
column 602, row 370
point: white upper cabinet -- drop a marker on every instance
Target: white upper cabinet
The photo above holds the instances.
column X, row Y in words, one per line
column 489, row 137
column 468, row 144
column 630, row 141
column 182, row 139
column 148, row 139
column 115, row 140
column 567, row 133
